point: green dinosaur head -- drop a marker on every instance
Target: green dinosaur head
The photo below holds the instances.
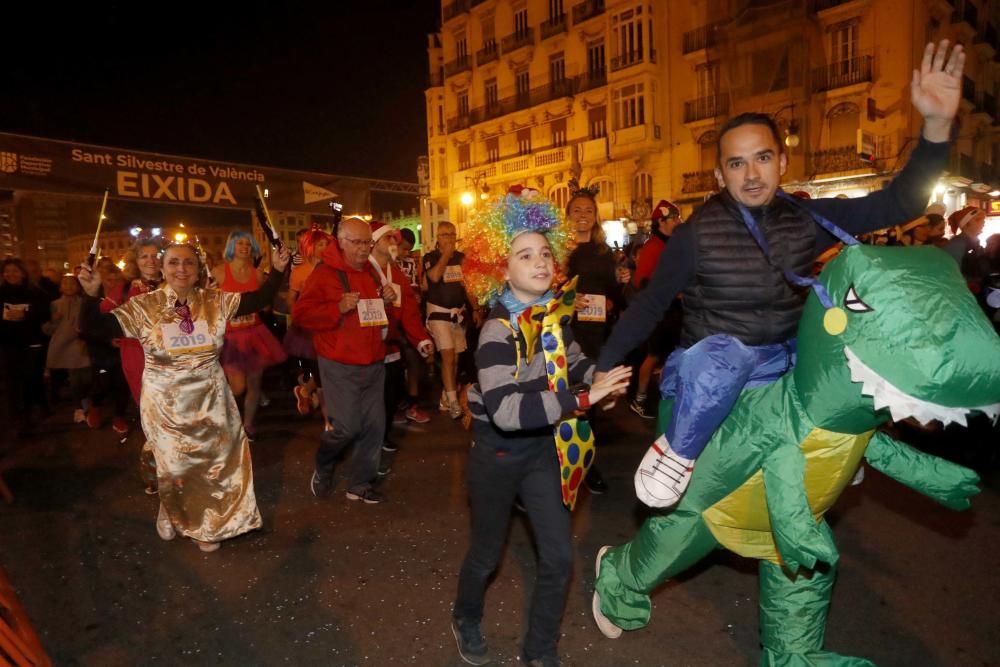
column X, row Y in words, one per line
column 910, row 341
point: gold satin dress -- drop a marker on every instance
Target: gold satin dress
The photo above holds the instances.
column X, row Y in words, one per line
column 204, row 472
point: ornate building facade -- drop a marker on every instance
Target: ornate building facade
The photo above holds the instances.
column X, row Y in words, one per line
column 629, row 94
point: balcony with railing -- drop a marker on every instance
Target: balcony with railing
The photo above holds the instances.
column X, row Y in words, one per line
column 517, row 39
column 590, row 80
column 554, row 26
column 704, row 37
column 453, row 9
column 844, row 73
column 702, row 108
column 519, row 100
column 587, row 10
column 631, row 58
column 835, row 160
column 488, row 53
column 457, row 66
column 698, row 181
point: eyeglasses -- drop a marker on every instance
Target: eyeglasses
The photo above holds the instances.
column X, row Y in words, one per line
column 187, row 324
column 360, row 243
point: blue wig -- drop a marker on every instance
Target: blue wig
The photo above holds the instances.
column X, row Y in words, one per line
column 230, row 251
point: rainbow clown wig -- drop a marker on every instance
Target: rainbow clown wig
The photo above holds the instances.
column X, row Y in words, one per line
column 493, row 229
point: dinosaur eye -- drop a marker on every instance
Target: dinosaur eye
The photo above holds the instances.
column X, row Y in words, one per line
column 853, row 302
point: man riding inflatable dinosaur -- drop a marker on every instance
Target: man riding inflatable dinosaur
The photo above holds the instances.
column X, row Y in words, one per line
column 907, row 339
column 755, row 462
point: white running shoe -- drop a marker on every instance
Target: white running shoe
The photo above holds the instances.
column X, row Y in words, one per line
column 164, row 526
column 663, row 475
column 604, row 624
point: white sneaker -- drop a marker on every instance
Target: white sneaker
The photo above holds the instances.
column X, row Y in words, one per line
column 604, row 624
column 663, row 475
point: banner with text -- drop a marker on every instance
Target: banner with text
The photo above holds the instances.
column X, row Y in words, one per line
column 64, row 167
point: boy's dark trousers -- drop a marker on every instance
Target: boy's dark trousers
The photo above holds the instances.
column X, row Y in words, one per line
column 494, row 480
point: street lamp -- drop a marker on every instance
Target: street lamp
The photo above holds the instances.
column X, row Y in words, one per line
column 473, row 185
column 792, row 137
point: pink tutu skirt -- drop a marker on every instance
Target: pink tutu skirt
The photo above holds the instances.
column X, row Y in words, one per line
column 298, row 343
column 250, row 350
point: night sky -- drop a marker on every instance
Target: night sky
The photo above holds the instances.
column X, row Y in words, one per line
column 335, row 87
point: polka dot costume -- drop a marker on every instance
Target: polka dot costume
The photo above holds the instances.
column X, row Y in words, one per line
column 573, row 437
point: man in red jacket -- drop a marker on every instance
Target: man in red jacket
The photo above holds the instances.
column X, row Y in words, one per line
column 347, row 310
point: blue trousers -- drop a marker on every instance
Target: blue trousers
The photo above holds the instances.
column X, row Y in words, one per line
column 706, row 379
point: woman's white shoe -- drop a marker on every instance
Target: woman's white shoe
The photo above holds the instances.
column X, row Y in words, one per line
column 164, row 527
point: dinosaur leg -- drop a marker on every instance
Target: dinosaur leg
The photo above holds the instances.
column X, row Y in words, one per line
column 664, row 547
column 793, row 612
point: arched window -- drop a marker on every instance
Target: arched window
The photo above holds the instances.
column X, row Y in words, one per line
column 559, row 195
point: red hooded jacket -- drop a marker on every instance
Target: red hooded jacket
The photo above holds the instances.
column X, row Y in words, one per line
column 340, row 337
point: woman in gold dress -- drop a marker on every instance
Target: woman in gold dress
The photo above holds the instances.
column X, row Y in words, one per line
column 188, row 412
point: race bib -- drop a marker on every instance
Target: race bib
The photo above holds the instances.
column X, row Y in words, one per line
column 453, row 273
column 177, row 342
column 15, row 312
column 398, row 302
column 243, row 321
column 371, row 312
column 596, row 310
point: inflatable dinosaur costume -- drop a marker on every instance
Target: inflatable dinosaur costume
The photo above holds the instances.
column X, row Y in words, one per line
column 907, row 340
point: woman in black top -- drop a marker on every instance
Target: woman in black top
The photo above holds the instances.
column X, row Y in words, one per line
column 598, row 289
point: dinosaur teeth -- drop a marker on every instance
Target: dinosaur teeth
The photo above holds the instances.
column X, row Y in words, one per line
column 901, row 405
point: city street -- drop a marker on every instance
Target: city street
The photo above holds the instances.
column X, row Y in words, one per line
column 335, row 582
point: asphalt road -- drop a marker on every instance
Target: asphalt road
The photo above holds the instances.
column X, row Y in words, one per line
column 336, row 582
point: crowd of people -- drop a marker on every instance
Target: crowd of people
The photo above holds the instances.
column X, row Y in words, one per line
column 717, row 296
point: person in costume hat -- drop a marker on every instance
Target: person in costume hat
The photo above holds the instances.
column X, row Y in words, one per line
column 526, row 441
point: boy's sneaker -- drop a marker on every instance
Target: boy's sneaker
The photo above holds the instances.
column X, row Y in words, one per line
column 384, row 469
column 641, row 410
column 604, row 624
column 663, row 475
column 388, row 446
column 416, row 415
column 321, row 485
column 471, row 643
column 369, row 496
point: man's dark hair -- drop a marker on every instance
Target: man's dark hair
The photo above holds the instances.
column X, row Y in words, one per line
column 407, row 234
column 750, row 118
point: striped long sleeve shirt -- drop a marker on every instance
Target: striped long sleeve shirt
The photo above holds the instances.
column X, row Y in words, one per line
column 511, row 403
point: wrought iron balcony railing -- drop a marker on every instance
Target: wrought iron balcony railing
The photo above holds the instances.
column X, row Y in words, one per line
column 587, row 10
column 554, row 26
column 843, row 73
column 517, row 39
column 709, row 106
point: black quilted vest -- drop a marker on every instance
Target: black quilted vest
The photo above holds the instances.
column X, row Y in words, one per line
column 736, row 290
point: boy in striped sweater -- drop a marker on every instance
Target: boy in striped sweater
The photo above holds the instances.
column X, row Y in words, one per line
column 515, row 413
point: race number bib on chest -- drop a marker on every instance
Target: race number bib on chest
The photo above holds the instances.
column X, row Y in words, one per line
column 453, row 273
column 596, row 310
column 371, row 312
column 177, row 342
